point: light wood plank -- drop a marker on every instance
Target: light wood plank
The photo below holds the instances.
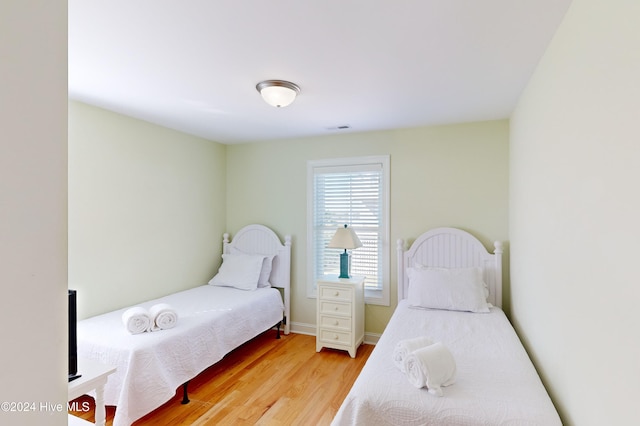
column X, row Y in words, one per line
column 264, row 382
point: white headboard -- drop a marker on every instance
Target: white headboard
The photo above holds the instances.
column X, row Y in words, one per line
column 452, row 248
column 258, row 239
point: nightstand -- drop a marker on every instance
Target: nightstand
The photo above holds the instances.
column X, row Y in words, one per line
column 340, row 313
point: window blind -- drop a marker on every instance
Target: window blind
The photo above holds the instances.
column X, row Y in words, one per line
column 350, row 195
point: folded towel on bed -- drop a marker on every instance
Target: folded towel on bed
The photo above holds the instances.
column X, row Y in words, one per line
column 163, row 317
column 405, row 347
column 432, row 366
column 136, row 320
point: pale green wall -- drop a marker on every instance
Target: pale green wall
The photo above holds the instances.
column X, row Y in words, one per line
column 33, row 209
column 574, row 209
column 148, row 205
column 146, row 209
column 440, row 176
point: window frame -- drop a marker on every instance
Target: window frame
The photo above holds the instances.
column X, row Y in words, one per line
column 372, row 297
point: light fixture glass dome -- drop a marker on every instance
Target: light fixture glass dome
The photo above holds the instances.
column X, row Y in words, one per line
column 278, row 93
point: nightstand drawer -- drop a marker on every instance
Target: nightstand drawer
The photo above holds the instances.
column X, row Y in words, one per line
column 335, row 337
column 335, row 322
column 335, row 308
column 336, row 293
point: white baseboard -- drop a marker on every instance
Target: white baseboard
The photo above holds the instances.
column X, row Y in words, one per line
column 371, row 338
column 310, row 329
column 302, row 328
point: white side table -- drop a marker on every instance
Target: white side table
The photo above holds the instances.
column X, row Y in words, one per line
column 94, row 377
column 340, row 313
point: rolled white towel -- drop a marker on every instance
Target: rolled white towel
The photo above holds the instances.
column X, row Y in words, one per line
column 405, row 347
column 163, row 316
column 136, row 320
column 432, row 366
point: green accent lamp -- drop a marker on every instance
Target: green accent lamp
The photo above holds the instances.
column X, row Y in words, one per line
column 345, row 238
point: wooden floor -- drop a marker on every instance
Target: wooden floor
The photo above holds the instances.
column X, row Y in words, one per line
column 264, row 382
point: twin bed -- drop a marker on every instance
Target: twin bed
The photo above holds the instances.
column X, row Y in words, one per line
column 495, row 381
column 213, row 319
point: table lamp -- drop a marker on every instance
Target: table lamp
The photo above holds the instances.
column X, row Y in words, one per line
column 344, row 238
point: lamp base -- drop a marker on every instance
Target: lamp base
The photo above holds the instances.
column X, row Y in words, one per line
column 344, row 265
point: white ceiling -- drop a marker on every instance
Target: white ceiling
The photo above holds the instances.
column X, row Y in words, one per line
column 192, row 65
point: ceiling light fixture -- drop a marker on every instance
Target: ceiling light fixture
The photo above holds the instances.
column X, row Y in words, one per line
column 278, row 93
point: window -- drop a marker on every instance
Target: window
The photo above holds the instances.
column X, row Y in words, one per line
column 355, row 192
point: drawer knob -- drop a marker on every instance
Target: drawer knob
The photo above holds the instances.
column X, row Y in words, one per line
column 336, row 308
column 336, row 337
column 337, row 293
column 336, row 322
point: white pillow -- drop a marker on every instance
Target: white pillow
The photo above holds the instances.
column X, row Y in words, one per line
column 239, row 270
column 486, row 287
column 451, row 289
column 265, row 271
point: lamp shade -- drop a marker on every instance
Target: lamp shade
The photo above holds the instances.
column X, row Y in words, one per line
column 345, row 238
column 278, row 93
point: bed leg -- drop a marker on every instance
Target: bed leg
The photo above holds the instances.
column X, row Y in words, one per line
column 185, row 397
column 278, row 334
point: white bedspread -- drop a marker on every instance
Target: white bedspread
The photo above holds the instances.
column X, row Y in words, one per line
column 496, row 383
column 151, row 366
